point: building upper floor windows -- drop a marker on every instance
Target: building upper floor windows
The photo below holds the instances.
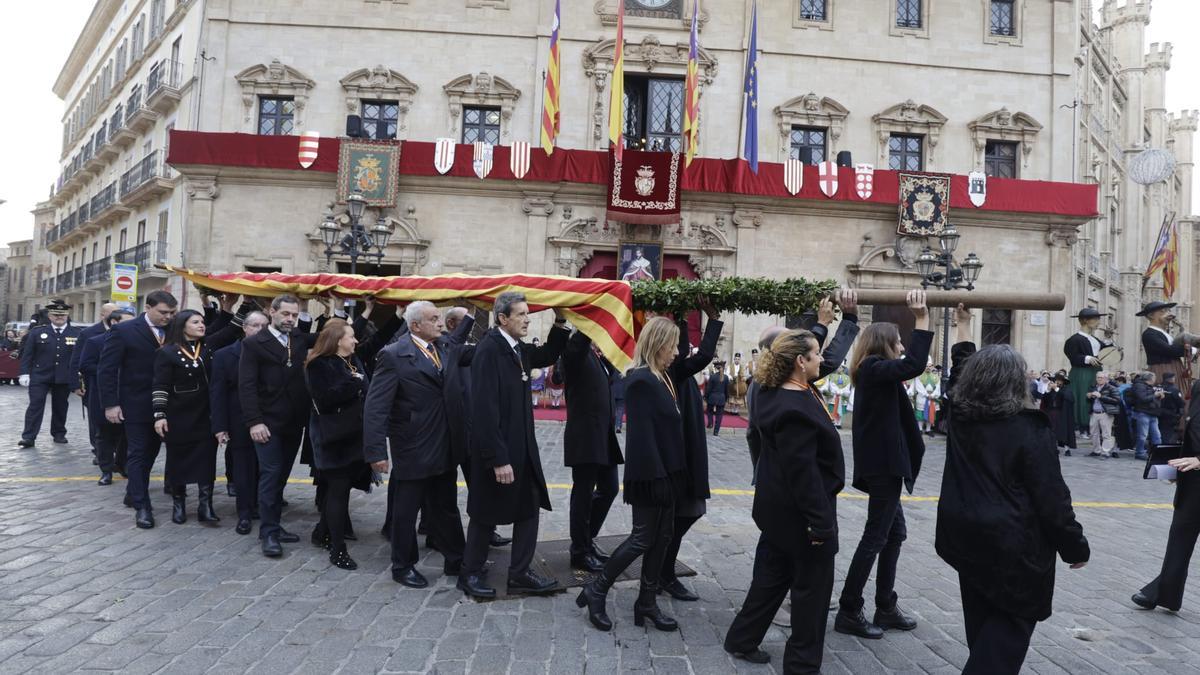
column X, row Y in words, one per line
column 905, row 152
column 158, row 17
column 908, row 13
column 997, row 327
column 1000, row 159
column 813, row 10
column 480, row 125
column 1002, row 18
column 379, row 119
column 653, row 113
column 276, row 115
column 809, row 144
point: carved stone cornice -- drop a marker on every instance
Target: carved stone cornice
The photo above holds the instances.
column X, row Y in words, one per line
column 810, row 110
column 202, row 188
column 273, row 79
column 649, row 54
column 607, row 11
column 379, row 83
column 481, row 89
column 538, row 204
column 747, row 218
column 1003, row 125
column 1062, row 237
column 908, row 118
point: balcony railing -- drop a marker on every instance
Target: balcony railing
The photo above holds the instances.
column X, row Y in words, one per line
column 101, row 136
column 165, row 73
column 85, row 153
column 143, row 172
column 63, row 281
column 97, row 271
column 116, row 122
column 145, row 255
column 104, row 199
column 83, row 215
column 133, row 104
column 47, row 286
column 66, row 226
column 77, row 279
column 51, row 236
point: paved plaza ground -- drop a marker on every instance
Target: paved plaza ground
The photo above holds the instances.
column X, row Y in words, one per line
column 82, row 589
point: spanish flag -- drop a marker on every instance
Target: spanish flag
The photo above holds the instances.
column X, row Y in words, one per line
column 599, row 308
column 691, row 95
column 550, row 110
column 616, row 102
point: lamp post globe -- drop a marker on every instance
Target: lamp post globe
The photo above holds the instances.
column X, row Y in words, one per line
column 949, row 239
column 355, row 203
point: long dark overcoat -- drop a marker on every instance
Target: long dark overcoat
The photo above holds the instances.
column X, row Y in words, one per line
column 590, row 436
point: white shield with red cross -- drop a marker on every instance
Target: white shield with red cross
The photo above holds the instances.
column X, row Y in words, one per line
column 828, row 178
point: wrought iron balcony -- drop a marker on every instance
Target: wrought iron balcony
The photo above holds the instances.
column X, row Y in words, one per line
column 98, row 271
column 145, row 255
column 144, row 181
column 163, row 86
column 138, row 118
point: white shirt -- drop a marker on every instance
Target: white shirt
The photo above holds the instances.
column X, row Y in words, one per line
column 282, row 337
column 1169, row 337
column 1093, row 342
column 512, row 341
column 419, row 341
column 158, row 330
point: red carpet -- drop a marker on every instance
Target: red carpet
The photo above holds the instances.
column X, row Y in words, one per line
column 560, row 415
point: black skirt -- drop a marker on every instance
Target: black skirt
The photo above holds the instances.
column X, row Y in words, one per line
column 194, row 462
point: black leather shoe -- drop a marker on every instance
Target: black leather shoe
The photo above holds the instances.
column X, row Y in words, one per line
column 286, row 537
column 647, row 607
column 243, row 527
column 531, row 582
column 271, row 547
column 856, row 624
column 893, row 619
column 677, row 590
column 342, row 560
column 476, row 586
column 144, row 519
column 497, row 540
column 105, row 478
column 178, row 510
column 753, row 656
column 410, row 577
column 594, row 596
column 24, row 443
column 60, row 439
column 1142, row 601
column 586, row 562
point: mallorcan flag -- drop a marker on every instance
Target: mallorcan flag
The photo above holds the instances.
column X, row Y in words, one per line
column 600, row 308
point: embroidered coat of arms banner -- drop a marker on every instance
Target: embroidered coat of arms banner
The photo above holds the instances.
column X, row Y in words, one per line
column 924, row 204
column 644, row 188
column 370, row 166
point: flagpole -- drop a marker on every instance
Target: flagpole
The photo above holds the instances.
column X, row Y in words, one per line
column 745, row 61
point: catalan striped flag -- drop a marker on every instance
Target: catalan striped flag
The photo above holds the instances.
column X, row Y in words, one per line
column 1166, row 256
column 616, row 100
column 691, row 96
column 600, row 308
column 550, row 110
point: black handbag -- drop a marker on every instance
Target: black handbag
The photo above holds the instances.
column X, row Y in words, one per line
column 341, row 425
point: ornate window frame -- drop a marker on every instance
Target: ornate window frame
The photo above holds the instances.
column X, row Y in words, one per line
column 804, row 24
column 274, row 79
column 810, row 110
column 900, row 31
column 1003, row 125
column 647, row 56
column 607, row 11
column 909, row 118
column 482, row 89
column 380, row 83
column 1018, row 25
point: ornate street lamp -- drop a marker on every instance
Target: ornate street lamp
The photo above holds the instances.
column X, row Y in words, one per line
column 358, row 242
column 942, row 271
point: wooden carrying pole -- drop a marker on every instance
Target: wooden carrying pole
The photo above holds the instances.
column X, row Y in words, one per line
column 972, row 299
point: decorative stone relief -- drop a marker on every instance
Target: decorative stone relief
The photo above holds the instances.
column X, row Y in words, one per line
column 482, row 89
column 203, row 188
column 810, row 110
column 379, row 83
column 1003, row 125
column 274, row 79
column 909, row 118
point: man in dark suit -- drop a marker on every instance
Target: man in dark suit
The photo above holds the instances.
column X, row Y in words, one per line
column 507, row 483
column 590, row 448
column 46, row 370
column 229, row 426
column 716, row 392
column 275, row 404
column 110, row 438
column 125, row 378
column 98, row 328
column 409, row 408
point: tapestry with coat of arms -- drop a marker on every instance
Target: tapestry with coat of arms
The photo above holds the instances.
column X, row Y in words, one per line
column 924, row 204
column 370, row 166
column 644, row 188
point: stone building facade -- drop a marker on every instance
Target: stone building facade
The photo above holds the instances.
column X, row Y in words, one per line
column 935, row 87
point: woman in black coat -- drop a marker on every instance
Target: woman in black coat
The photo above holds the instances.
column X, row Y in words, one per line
column 337, row 382
column 888, row 448
column 1166, row 590
column 1059, row 405
column 180, row 403
column 1004, row 510
column 801, row 470
column 655, row 477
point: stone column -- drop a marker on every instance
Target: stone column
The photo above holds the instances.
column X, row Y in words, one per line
column 747, row 222
column 197, row 232
column 538, row 206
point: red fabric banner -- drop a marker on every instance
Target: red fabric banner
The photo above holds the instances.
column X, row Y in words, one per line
column 733, row 176
column 643, row 188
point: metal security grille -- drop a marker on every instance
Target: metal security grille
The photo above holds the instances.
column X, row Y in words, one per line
column 812, row 10
column 997, row 326
column 908, row 13
column 1002, row 22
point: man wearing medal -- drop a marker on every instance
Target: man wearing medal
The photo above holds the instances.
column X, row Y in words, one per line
column 1083, row 351
column 46, row 370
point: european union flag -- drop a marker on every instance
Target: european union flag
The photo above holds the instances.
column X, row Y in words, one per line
column 750, row 148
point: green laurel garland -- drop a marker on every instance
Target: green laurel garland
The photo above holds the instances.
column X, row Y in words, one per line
column 779, row 297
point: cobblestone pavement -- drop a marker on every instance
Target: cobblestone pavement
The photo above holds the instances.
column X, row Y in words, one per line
column 81, row 588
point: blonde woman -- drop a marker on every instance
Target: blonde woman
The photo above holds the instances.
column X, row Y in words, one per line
column 655, row 473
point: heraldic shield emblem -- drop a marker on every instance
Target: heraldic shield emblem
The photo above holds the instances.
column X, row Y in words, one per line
column 518, row 161
column 864, row 180
column 310, row 145
column 924, row 204
column 443, row 154
column 644, row 183
column 828, row 178
column 977, row 187
column 793, row 175
column 482, row 161
column 369, row 167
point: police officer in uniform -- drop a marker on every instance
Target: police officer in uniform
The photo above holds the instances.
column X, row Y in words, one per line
column 46, row 369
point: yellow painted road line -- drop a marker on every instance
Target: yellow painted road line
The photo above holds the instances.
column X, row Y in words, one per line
column 724, row 492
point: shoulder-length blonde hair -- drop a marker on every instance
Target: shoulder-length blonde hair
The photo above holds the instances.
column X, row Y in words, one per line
column 778, row 361
column 658, row 333
column 878, row 339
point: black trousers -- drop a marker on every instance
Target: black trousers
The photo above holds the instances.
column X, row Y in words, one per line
column 94, row 422
column 335, row 505
column 808, row 576
column 143, row 448
column 998, row 640
column 885, row 531
column 650, row 537
column 275, row 460
column 110, row 450
column 1167, row 588
column 437, row 497
column 678, row 530
column 713, row 416
column 60, row 400
column 524, row 545
column 243, row 467
column 594, row 487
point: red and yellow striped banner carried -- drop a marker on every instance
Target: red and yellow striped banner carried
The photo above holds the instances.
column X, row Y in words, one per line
column 600, row 308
